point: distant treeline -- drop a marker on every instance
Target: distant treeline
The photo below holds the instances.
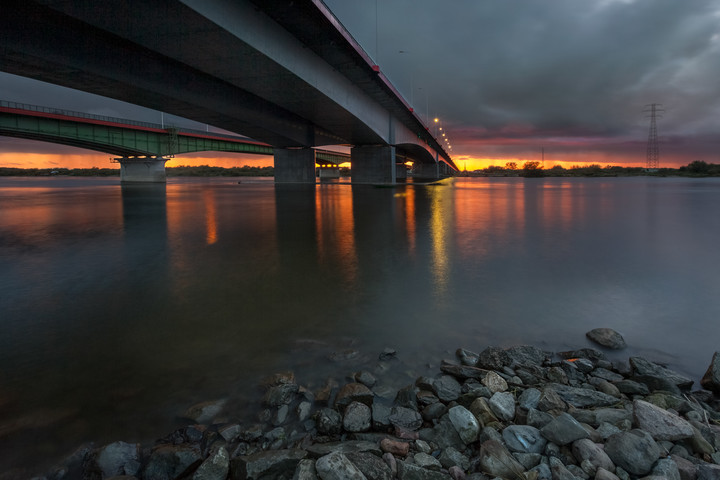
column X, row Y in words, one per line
column 697, row 168
column 181, row 171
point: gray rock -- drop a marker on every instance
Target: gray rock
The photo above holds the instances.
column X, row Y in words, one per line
column 451, row 456
column 711, row 379
column 523, row 439
column 559, row 471
column 543, row 472
column 592, row 354
column 655, row 383
column 303, row 410
column 380, row 416
column 529, row 398
column 607, row 337
column 493, row 358
column 347, row 447
column 666, row 467
column 371, row 465
column 407, row 397
column 629, row 387
column 408, row 471
column 635, row 451
column 462, row 371
column 328, row 421
column 447, row 388
column 434, row 411
column 550, row 400
column 405, row 418
column 538, row 419
column 642, row 366
column 336, row 466
column 118, row 458
column 495, row 382
column 467, row 357
column 528, row 460
column 204, row 412
column 305, row 470
column 606, row 374
column 496, row 460
column 230, row 432
column 708, row 472
column 612, row 415
column 282, row 394
column 503, row 405
column 427, row 461
column 526, row 355
column 585, row 449
column 167, row 462
column 357, row 417
column 366, row 378
column 443, row 434
column 582, row 397
column 465, row 423
column 215, row 467
column 563, row 429
column 603, row 474
column 659, row 423
column 353, row 392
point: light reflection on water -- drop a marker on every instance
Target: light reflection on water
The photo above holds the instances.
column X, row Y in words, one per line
column 121, row 306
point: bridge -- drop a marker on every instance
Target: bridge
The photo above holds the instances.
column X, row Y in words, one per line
column 142, row 146
column 285, row 73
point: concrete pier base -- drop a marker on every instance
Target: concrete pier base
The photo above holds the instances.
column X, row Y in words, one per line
column 429, row 171
column 142, row 169
column 328, row 173
column 294, row 165
column 373, row 164
column 401, row 172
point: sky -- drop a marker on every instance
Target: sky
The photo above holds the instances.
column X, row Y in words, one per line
column 511, row 79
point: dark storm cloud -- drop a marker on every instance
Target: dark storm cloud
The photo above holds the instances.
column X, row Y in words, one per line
column 574, row 72
column 540, row 67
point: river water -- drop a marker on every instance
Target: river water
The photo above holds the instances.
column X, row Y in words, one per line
column 121, row 306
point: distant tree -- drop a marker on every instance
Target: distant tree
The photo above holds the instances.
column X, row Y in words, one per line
column 511, row 166
column 699, row 167
column 532, row 165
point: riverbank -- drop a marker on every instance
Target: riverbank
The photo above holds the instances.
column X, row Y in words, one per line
column 515, row 413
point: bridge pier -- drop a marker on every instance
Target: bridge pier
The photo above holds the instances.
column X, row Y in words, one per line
column 373, row 164
column 430, row 171
column 294, row 165
column 401, row 172
column 326, row 172
column 142, row 169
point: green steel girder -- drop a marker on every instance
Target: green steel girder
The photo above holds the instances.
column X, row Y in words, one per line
column 132, row 141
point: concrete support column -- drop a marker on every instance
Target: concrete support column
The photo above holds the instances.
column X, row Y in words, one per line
column 400, row 171
column 142, row 169
column 428, row 170
column 294, row 165
column 373, row 164
column 328, row 172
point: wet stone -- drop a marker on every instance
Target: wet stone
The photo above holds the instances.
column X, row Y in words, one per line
column 659, row 423
column 563, row 429
column 635, row 451
column 336, row 466
column 357, row 417
column 371, row 465
column 502, row 405
column 642, row 366
column 711, row 379
column 405, row 418
column 523, row 439
column 465, row 423
column 607, row 337
column 494, row 382
column 447, row 388
column 529, row 398
column 353, row 392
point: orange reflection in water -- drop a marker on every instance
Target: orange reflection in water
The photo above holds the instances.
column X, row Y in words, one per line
column 210, row 217
column 440, row 223
column 335, row 229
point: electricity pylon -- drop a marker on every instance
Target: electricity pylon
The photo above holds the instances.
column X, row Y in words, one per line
column 653, row 151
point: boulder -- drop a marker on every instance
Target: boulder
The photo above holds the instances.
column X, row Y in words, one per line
column 465, row 423
column 524, row 439
column 118, row 458
column 282, row 394
column 496, row 460
column 641, row 366
column 168, row 462
column 357, row 417
column 503, row 405
column 635, row 451
column 353, row 392
column 495, row 382
column 268, row 464
column 607, row 337
column 215, row 467
column 563, row 429
column 659, row 423
column 371, row 465
column 336, row 466
column 711, row 379
column 585, row 449
column 447, row 388
column 204, row 412
column 328, row 421
column 582, row 397
column 406, row 418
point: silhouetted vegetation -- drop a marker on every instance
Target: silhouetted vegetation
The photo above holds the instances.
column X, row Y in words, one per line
column 51, row 172
column 208, row 171
column 534, row 169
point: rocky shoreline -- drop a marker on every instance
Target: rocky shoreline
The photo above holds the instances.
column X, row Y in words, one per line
column 514, row 413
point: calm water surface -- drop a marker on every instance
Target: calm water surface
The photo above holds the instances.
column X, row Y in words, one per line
column 122, row 306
